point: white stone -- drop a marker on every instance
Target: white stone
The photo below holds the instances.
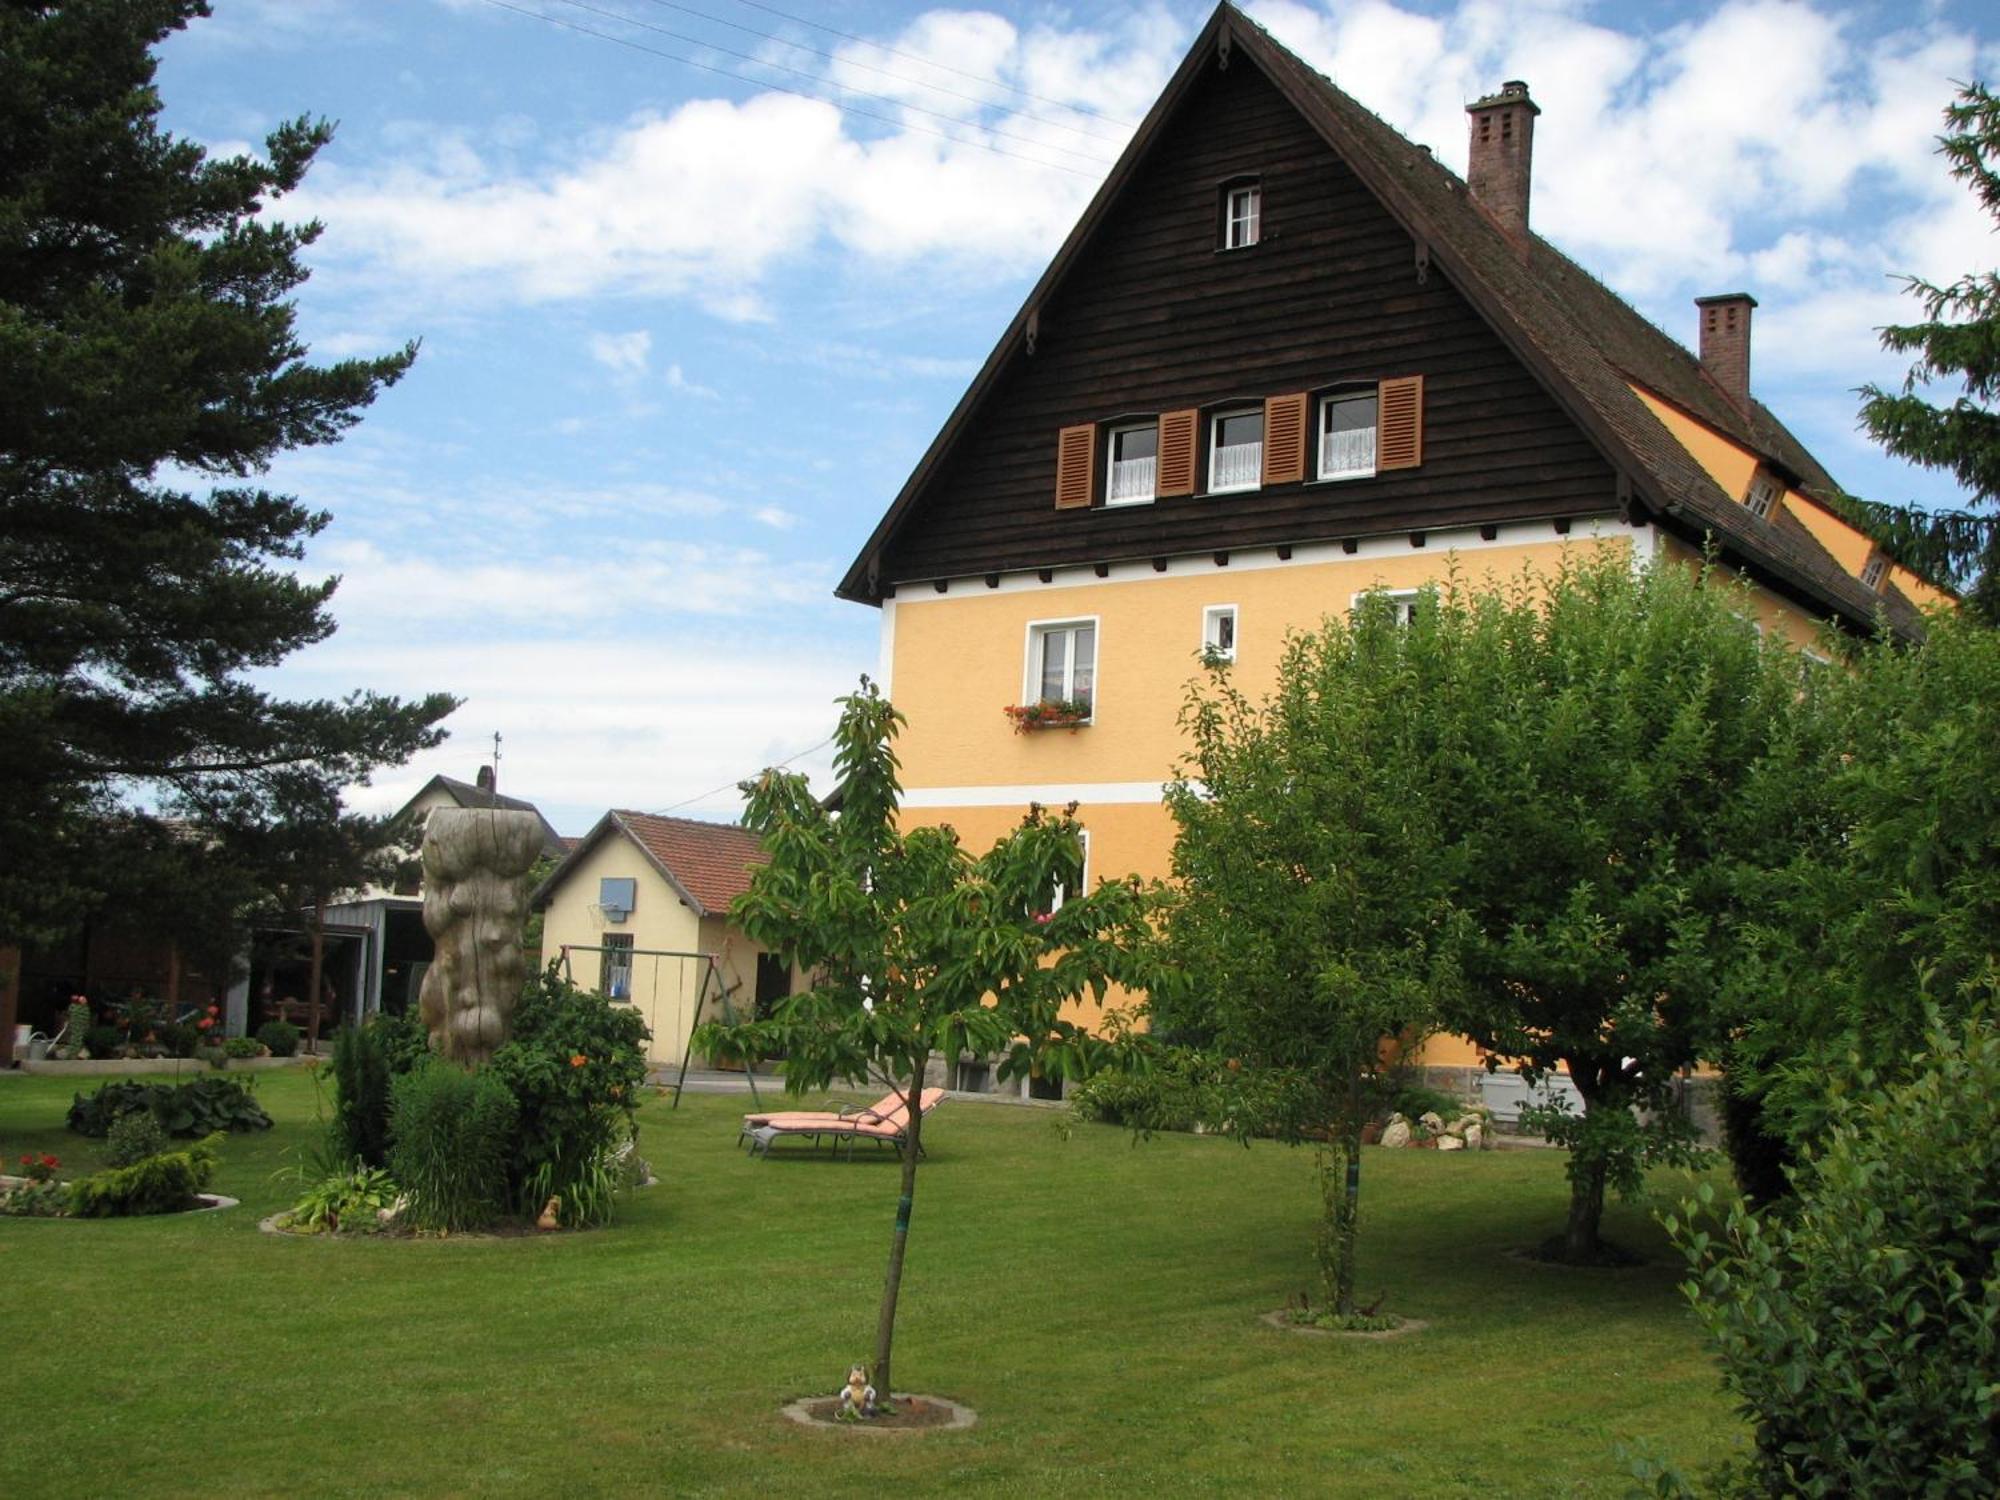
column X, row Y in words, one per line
column 1475, row 1138
column 1450, row 1143
column 1396, row 1132
column 1431, row 1121
column 1464, row 1123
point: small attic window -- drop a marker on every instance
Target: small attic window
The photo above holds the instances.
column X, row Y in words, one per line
column 1873, row 573
column 1242, row 213
column 1763, row 497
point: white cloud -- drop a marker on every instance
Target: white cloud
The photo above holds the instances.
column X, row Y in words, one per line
column 677, row 381
column 774, row 516
column 623, row 354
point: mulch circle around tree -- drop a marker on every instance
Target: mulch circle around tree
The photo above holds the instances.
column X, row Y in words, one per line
column 913, row 1414
column 1282, row 1319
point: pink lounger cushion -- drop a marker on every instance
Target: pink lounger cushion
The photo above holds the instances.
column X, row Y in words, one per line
column 889, row 1110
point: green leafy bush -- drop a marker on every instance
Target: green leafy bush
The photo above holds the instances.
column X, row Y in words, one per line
column 349, row 1199
column 1186, row 1089
column 241, row 1046
column 282, row 1037
column 451, row 1136
column 178, row 1038
column 133, row 1137
column 1416, row 1101
column 1861, row 1327
column 164, row 1184
column 200, row 1107
column 361, row 1075
column 574, row 1065
column 103, row 1041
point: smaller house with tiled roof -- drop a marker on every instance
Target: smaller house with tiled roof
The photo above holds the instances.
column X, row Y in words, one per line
column 639, row 911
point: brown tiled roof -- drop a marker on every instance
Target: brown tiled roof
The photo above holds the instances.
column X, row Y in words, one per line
column 1585, row 344
column 709, row 862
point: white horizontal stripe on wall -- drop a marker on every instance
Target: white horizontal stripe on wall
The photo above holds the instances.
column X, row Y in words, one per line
column 1050, row 794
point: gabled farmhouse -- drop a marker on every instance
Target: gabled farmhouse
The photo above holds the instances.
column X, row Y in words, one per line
column 1286, row 356
column 640, row 906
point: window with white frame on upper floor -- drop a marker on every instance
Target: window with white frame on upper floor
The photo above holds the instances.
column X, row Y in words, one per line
column 1218, row 631
column 1062, row 663
column 1404, row 604
column 1235, row 450
column 1875, row 571
column 1347, row 435
column 1132, row 472
column 1242, row 215
column 1762, row 499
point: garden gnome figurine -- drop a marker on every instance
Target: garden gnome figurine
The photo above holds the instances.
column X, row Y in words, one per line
column 548, row 1219
column 857, row 1397
column 476, row 862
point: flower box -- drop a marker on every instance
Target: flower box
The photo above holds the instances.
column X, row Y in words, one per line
column 1065, row 713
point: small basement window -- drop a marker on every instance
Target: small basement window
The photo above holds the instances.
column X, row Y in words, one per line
column 1218, row 631
column 1134, row 467
column 1242, row 215
column 1235, row 450
column 1347, row 435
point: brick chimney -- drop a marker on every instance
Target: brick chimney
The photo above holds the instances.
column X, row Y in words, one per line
column 1503, row 152
column 485, row 779
column 1725, row 343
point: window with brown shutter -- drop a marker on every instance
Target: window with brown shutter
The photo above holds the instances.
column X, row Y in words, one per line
column 1400, row 444
column 1285, row 439
column 1177, row 435
column 1076, row 466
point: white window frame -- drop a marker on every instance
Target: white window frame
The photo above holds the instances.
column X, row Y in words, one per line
column 1875, row 572
column 1242, row 230
column 1117, row 431
column 1320, row 409
column 1764, row 494
column 1211, row 623
column 610, row 971
column 1402, row 603
column 1256, row 477
column 1083, row 879
column 1031, row 673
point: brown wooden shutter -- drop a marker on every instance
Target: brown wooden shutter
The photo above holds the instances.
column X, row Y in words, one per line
column 1076, row 466
column 1285, row 438
column 1399, row 436
column 1175, row 475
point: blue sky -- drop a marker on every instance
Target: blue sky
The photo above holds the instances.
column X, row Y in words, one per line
column 684, row 335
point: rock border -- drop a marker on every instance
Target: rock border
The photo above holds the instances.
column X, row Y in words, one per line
column 962, row 1417
column 269, row 1225
column 1281, row 1320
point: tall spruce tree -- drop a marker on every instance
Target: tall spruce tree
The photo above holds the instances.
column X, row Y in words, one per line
column 149, row 370
column 1959, row 338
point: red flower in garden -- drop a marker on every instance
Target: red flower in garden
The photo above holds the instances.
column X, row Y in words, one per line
column 205, row 1023
column 578, row 1061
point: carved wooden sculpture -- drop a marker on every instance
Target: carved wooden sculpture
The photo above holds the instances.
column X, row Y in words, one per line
column 476, row 863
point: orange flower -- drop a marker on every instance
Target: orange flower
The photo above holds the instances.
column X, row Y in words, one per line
column 578, row 1061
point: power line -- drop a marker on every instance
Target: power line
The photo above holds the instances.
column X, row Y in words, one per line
column 848, row 36
column 801, row 73
column 937, row 88
column 738, row 781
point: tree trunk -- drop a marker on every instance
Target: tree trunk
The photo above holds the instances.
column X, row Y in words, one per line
column 885, row 1326
column 1340, row 1205
column 1587, row 1171
column 318, row 970
column 1586, row 1209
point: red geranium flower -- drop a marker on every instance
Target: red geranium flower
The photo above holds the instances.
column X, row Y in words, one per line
column 578, row 1061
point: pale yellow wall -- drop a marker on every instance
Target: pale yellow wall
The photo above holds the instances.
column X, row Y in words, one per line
column 663, row 989
column 1728, row 463
column 960, row 658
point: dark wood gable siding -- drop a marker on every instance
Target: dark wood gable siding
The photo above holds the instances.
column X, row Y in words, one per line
column 1152, row 318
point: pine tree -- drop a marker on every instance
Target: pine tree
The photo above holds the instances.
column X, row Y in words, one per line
column 1959, row 337
column 150, row 370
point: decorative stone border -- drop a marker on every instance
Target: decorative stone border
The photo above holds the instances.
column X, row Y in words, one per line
column 1281, row 1320
column 962, row 1417
column 210, row 1203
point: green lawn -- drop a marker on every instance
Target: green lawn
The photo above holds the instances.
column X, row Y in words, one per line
column 1096, row 1301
